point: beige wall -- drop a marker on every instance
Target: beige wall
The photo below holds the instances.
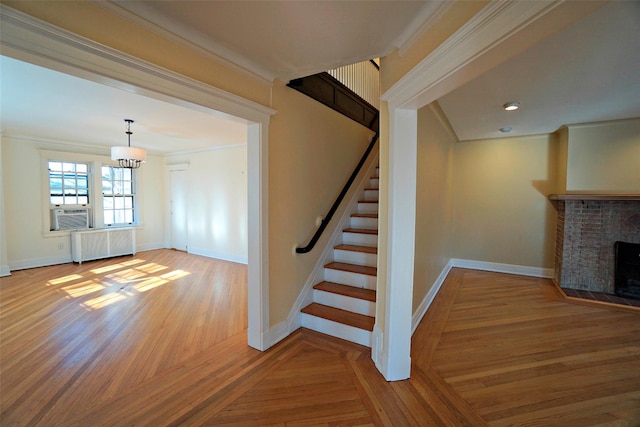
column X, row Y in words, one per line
column 383, row 218
column 395, row 65
column 501, row 211
column 604, row 157
column 434, row 199
column 312, row 152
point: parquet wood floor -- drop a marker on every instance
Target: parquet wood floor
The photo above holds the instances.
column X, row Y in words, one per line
column 158, row 340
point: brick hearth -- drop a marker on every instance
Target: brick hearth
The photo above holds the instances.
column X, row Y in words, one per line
column 587, row 228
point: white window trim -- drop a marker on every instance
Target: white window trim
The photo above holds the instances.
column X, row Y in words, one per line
column 96, row 215
column 137, row 201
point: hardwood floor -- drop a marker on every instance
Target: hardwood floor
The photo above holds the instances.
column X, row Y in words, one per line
column 159, row 339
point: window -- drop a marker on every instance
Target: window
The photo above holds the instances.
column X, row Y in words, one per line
column 118, row 198
column 68, row 183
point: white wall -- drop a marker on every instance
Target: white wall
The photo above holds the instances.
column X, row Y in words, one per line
column 217, row 202
column 28, row 245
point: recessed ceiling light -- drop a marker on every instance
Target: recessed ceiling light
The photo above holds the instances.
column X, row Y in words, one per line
column 511, row 106
column 505, row 130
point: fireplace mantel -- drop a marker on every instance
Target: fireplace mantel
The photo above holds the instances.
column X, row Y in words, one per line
column 596, row 197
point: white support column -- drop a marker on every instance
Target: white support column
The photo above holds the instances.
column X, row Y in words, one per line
column 258, row 268
column 395, row 363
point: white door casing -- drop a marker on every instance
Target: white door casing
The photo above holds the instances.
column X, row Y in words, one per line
column 178, row 197
column 29, row 39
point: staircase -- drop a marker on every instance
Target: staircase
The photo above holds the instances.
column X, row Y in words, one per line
column 344, row 304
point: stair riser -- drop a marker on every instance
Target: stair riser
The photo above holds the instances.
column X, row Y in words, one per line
column 368, row 208
column 360, row 239
column 343, row 302
column 349, row 278
column 366, row 223
column 335, row 329
column 371, row 195
column 358, row 258
column 374, row 183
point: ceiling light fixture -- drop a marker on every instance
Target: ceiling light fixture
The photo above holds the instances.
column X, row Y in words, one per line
column 128, row 157
column 511, row 106
column 505, row 129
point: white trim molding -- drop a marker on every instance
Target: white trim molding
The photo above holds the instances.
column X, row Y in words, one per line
column 468, row 53
column 429, row 297
column 495, row 23
column 29, row 39
column 185, row 36
column 395, row 360
column 5, row 271
column 521, row 270
column 429, row 15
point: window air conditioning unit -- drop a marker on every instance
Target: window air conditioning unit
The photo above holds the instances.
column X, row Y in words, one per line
column 70, row 219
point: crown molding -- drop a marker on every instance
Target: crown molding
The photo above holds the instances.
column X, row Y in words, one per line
column 25, row 37
column 147, row 18
column 430, row 14
column 495, row 23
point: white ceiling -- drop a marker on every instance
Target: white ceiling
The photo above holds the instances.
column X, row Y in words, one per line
column 587, row 72
column 285, row 39
column 42, row 104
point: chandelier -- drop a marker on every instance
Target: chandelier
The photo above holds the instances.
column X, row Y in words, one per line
column 128, row 157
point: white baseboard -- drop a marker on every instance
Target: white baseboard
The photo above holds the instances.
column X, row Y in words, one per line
column 149, row 247
column 376, row 347
column 428, row 299
column 39, row 262
column 5, row 271
column 521, row 270
column 280, row 332
column 217, row 255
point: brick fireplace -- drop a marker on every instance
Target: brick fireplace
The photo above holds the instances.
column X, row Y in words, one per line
column 587, row 228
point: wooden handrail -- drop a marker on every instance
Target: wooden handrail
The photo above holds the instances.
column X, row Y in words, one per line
column 336, row 204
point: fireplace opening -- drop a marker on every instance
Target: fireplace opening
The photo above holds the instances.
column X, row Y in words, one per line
column 627, row 270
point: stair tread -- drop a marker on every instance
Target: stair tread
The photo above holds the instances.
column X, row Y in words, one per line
column 361, row 215
column 345, row 317
column 367, row 201
column 358, row 248
column 346, row 290
column 353, row 268
column 361, row 230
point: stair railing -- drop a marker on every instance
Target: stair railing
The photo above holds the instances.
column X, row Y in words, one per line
column 363, row 78
column 336, row 204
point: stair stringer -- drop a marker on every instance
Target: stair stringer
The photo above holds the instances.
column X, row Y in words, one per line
column 305, row 297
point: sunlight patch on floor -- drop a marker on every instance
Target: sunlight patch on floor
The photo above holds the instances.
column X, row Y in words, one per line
column 124, row 280
column 83, row 288
column 65, row 279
